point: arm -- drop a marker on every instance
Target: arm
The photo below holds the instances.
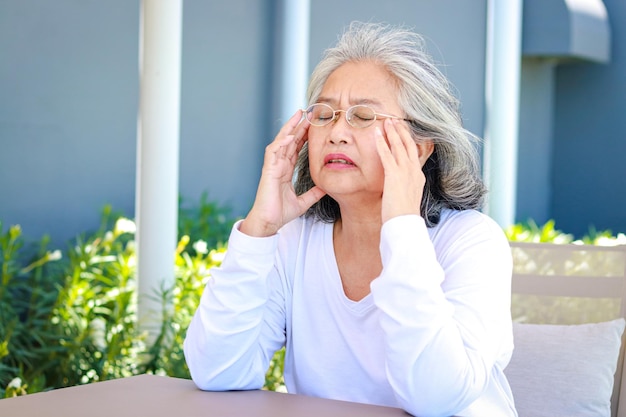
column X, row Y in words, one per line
column 445, row 315
column 240, row 321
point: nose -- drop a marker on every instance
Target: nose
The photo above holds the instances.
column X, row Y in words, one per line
column 340, row 129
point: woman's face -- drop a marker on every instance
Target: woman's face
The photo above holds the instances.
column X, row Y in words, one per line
column 343, row 160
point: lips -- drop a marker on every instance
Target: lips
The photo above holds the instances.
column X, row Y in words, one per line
column 338, row 159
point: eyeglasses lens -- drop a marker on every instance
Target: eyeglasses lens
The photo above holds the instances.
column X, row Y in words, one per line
column 358, row 116
column 320, row 114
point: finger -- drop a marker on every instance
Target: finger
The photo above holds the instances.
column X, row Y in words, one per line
column 290, row 127
column 299, row 138
column 310, row 197
column 384, row 150
column 291, row 144
column 278, row 151
column 285, row 144
column 301, row 134
column 407, row 139
column 401, row 142
column 397, row 146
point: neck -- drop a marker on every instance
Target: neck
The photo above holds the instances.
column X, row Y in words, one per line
column 356, row 239
column 361, row 226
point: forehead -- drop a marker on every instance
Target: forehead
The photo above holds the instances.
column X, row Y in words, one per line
column 360, row 82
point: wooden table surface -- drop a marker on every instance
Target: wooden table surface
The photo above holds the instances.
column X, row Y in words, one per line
column 159, row 396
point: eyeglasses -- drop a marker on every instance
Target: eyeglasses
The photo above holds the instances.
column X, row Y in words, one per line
column 359, row 116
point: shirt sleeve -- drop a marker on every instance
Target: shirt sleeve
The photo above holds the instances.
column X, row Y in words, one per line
column 240, row 321
column 445, row 310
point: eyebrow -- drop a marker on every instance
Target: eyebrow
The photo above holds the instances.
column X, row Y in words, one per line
column 366, row 101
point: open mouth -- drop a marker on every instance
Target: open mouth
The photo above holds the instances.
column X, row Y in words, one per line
column 339, row 161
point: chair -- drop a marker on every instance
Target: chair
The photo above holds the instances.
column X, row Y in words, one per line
column 568, row 306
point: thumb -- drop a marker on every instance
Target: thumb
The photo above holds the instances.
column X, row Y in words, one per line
column 310, row 197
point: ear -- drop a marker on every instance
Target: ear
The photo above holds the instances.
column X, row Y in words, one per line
column 425, row 148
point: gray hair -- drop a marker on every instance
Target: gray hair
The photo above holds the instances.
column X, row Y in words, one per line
column 453, row 171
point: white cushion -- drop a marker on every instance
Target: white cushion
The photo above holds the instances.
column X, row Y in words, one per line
column 564, row 370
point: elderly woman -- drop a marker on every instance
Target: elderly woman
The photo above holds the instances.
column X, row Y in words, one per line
column 375, row 271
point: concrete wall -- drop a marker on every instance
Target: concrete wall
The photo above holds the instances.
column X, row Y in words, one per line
column 536, row 132
column 589, row 171
column 68, row 101
column 68, row 109
column 226, row 112
column 68, row 105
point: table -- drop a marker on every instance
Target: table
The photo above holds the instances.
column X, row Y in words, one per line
column 160, row 396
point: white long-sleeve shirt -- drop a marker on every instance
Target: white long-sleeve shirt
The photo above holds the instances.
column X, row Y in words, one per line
column 432, row 337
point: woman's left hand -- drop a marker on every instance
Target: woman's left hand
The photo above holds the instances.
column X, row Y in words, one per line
column 402, row 161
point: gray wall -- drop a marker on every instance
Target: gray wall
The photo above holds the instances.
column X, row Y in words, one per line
column 68, row 109
column 68, row 105
column 536, row 132
column 226, row 112
column 589, row 169
column 68, row 96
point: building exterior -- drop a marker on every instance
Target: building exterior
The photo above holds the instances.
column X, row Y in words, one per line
column 69, row 101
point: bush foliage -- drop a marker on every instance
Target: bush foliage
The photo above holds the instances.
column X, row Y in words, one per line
column 548, row 233
column 71, row 318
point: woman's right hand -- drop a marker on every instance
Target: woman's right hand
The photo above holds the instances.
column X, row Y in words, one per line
column 276, row 202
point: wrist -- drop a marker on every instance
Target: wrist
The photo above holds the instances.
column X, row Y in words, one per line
column 252, row 227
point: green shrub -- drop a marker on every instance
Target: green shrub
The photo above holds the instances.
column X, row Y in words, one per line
column 529, row 231
column 28, row 294
column 73, row 322
column 206, row 221
column 191, row 274
column 68, row 319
